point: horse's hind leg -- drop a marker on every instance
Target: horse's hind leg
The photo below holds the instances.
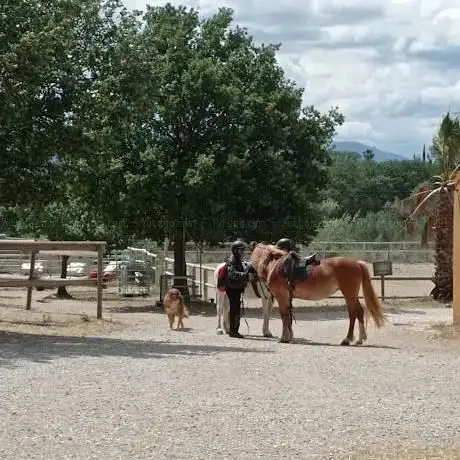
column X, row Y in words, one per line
column 352, row 314
column 362, row 328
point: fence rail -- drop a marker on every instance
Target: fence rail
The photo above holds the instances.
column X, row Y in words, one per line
column 413, row 265
column 403, row 252
column 412, row 276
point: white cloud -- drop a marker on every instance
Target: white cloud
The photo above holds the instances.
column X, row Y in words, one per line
column 392, row 67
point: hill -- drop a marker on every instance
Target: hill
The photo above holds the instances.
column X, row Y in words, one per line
column 358, row 147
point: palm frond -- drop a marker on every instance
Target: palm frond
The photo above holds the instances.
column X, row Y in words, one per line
column 433, row 192
column 427, row 231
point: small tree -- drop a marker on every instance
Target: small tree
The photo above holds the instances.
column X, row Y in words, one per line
column 435, row 202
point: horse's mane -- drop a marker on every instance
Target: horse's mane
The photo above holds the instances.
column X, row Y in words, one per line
column 261, row 257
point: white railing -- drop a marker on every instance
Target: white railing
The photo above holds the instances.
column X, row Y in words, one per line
column 14, row 262
column 201, row 277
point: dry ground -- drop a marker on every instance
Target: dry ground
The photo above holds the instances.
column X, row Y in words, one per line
column 127, row 387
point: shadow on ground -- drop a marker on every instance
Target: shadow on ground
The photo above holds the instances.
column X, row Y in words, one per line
column 322, row 313
column 313, row 343
column 301, row 313
column 16, row 347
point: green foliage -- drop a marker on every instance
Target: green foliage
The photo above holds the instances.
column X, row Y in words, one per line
column 364, row 186
column 45, row 48
column 446, row 146
column 121, row 125
column 70, row 219
column 206, row 134
column 386, row 224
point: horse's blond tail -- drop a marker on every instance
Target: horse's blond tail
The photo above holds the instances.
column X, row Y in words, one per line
column 372, row 301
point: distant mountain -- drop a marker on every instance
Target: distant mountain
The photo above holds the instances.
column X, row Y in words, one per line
column 358, row 147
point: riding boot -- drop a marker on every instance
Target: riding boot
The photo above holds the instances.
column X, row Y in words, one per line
column 231, row 323
column 234, row 332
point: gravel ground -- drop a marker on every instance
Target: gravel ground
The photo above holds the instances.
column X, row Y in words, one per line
column 143, row 392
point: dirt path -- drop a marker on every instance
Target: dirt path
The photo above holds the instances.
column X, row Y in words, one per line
column 129, row 388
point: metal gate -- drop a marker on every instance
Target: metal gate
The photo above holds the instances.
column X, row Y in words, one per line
column 137, row 273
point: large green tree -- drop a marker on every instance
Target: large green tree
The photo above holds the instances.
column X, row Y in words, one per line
column 45, row 49
column 52, row 56
column 207, row 137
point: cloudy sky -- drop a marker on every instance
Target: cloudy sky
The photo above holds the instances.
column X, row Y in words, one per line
column 392, row 66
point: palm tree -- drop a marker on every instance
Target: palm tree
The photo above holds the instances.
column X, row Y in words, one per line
column 435, row 203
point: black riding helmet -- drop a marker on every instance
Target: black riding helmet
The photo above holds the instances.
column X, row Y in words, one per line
column 238, row 245
column 285, row 244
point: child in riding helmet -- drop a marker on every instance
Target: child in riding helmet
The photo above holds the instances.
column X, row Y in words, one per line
column 236, row 281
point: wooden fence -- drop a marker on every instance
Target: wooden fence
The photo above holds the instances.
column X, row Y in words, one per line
column 34, row 247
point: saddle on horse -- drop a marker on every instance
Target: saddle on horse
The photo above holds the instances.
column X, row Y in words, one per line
column 298, row 268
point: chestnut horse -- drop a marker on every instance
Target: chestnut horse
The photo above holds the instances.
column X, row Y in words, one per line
column 331, row 275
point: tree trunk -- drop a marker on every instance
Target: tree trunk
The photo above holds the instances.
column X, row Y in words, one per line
column 62, row 290
column 443, row 276
column 180, row 267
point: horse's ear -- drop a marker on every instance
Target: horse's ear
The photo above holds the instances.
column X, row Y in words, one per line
column 252, row 245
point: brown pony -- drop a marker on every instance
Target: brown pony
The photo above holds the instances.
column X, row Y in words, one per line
column 331, row 275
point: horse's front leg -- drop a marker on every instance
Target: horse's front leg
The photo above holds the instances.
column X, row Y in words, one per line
column 286, row 319
column 226, row 314
column 267, row 305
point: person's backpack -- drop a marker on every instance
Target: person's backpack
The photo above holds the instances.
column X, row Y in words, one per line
column 221, row 278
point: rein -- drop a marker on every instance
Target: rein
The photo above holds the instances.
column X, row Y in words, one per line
column 243, row 309
column 291, row 308
column 262, row 288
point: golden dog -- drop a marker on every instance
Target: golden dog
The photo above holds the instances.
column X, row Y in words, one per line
column 174, row 306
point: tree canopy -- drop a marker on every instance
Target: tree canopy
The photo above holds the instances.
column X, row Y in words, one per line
column 121, row 125
column 153, row 124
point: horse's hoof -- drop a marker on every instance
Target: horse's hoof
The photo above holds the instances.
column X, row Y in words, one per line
column 345, row 342
column 359, row 342
column 283, row 341
column 219, row 331
column 268, row 334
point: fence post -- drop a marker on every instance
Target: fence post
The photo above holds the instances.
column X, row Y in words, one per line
column 31, row 275
column 382, row 287
column 204, row 280
column 456, row 253
column 194, row 280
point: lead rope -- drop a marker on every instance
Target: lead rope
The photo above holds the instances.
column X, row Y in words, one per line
column 243, row 309
column 262, row 288
column 291, row 309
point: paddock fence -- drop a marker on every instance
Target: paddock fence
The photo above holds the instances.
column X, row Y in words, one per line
column 412, row 267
